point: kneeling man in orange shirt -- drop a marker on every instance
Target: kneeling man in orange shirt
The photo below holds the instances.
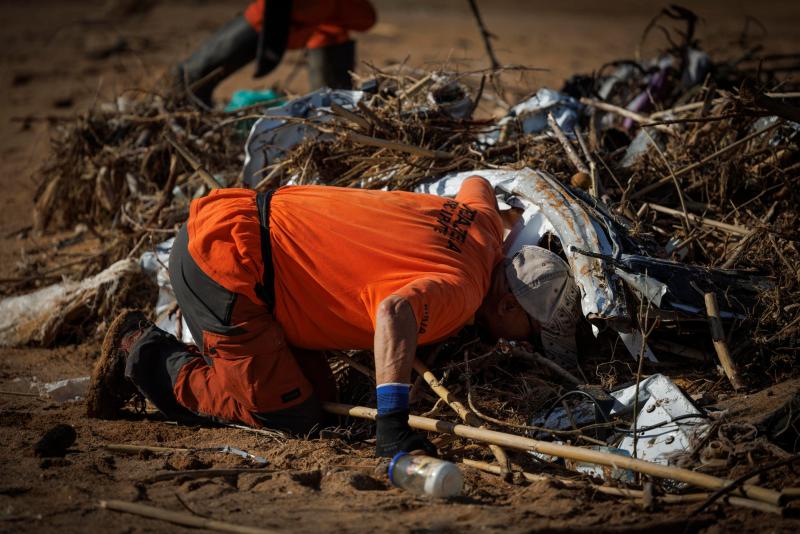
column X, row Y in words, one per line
column 266, row 281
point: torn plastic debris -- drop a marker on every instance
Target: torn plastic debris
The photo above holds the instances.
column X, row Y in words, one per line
column 154, row 264
column 531, row 114
column 785, row 134
column 68, row 389
column 273, row 135
column 649, row 288
column 640, row 146
column 667, row 424
column 47, row 313
column 227, row 449
column 666, row 415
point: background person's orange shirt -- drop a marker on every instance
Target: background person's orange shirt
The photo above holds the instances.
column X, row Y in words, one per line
column 338, row 252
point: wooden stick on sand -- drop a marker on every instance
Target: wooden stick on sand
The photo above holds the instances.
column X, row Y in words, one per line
column 565, row 451
column 180, row 518
column 632, row 493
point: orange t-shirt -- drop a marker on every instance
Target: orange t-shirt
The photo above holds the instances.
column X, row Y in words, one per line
column 338, row 252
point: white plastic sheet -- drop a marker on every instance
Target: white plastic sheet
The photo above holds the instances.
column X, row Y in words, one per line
column 155, row 265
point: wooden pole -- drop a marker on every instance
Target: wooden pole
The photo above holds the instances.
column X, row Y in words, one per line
column 720, row 346
column 730, row 228
column 622, row 112
column 512, row 441
column 632, row 493
column 180, row 518
column 463, row 412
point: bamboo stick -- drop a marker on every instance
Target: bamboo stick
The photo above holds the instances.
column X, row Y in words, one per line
column 730, row 228
column 756, row 505
column 566, row 145
column 633, row 493
column 401, row 147
column 622, row 112
column 720, row 346
column 463, row 412
column 791, row 494
column 180, row 518
column 349, row 115
column 18, row 393
column 564, row 451
column 544, row 362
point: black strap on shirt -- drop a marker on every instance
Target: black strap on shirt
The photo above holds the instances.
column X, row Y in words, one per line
column 266, row 290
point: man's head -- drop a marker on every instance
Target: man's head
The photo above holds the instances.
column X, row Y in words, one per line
column 534, row 290
column 501, row 313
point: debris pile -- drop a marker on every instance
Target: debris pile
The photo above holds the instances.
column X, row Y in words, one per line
column 681, row 169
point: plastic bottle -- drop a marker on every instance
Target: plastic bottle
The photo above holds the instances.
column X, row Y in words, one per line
column 424, row 475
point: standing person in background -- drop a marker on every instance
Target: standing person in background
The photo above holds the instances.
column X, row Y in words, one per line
column 265, row 30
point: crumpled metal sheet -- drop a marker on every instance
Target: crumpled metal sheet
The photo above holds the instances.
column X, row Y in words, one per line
column 662, row 403
column 577, row 230
column 549, row 207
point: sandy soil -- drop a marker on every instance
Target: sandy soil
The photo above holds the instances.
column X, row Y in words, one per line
column 59, row 58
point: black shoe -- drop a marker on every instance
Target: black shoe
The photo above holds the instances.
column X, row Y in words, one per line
column 230, row 48
column 109, row 390
column 330, row 66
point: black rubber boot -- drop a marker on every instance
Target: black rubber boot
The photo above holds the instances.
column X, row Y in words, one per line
column 330, row 66
column 230, row 48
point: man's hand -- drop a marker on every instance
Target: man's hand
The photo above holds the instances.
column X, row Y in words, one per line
column 394, row 435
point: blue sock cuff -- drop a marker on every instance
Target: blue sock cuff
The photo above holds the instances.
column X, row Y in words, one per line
column 392, row 397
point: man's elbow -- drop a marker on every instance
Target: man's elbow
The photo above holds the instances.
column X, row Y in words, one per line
column 393, row 307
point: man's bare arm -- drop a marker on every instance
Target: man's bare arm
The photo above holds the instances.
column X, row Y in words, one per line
column 395, row 341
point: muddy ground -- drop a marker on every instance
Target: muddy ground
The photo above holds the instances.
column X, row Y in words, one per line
column 59, row 58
